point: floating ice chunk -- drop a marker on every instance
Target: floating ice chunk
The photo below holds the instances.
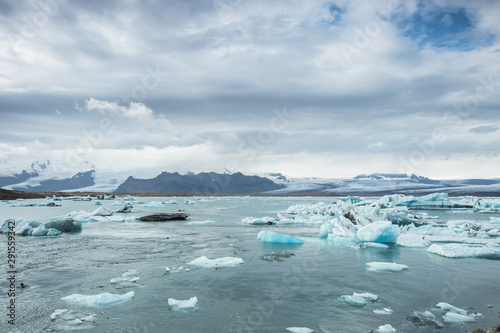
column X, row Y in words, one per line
column 216, row 263
column 455, row 318
column 425, row 318
column 201, row 223
column 448, row 307
column 463, row 251
column 154, row 204
column 189, row 304
column 105, row 299
column 386, row 329
column 386, row 266
column 68, row 320
column 368, row 296
column 131, row 273
column 267, row 236
column 299, row 330
column 97, row 203
column 356, row 301
column 431, row 201
column 377, row 245
column 379, row 232
column 102, row 211
column 412, row 240
column 384, row 311
column 343, row 241
column 258, row 220
column 40, row 231
column 487, row 206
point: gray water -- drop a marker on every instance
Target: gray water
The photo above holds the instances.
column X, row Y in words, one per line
column 257, row 296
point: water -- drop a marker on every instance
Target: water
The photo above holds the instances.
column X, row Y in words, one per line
column 257, row 296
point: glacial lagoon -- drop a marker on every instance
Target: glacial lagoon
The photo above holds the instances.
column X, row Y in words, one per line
column 212, row 273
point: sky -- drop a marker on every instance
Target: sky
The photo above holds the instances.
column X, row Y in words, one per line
column 314, row 88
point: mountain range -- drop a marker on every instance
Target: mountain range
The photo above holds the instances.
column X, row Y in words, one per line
column 49, row 177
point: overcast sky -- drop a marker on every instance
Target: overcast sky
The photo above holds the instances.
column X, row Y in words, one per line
column 306, row 88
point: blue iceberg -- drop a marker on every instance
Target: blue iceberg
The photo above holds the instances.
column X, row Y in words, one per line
column 276, row 237
column 379, row 232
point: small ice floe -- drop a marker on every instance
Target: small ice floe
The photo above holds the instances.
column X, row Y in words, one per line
column 266, row 220
column 183, row 305
column 379, row 232
column 216, row 263
column 425, row 318
column 127, row 280
column 175, row 269
column 385, row 266
column 201, row 223
column 456, row 315
column 69, row 320
column 386, row 329
column 153, row 204
column 384, row 311
column 358, row 299
column 412, row 240
column 299, row 330
column 276, row 256
column 267, row 236
column 376, row 245
column 105, row 299
column 463, row 251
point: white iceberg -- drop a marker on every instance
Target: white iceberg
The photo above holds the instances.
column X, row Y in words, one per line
column 448, row 307
column 267, row 236
column 102, row 211
column 379, row 232
column 384, row 311
column 154, row 204
column 412, row 240
column 299, row 330
column 386, row 266
column 368, row 296
column 105, row 299
column 487, row 206
column 463, row 251
column 356, row 301
column 69, row 320
column 189, row 304
column 201, row 223
column 431, row 201
column 216, row 263
column 456, row 318
column 425, row 318
column 258, row 220
column 386, row 329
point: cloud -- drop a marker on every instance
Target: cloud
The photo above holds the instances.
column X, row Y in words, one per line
column 134, row 110
column 484, row 129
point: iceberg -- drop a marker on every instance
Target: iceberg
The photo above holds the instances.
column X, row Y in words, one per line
column 412, row 240
column 386, row 266
column 258, row 221
column 127, row 280
column 386, row 329
column 448, row 307
column 379, row 232
column 487, row 206
column 189, row 304
column 299, row 330
column 455, row 318
column 384, row 311
column 356, row 301
column 28, row 228
column 368, row 296
column 216, row 263
column 266, row 236
column 102, row 211
column 154, row 204
column 431, row 201
column 68, row 320
column 64, row 225
column 105, row 299
column 425, row 318
column 463, row 251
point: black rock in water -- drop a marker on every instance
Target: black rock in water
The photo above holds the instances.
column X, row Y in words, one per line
column 160, row 217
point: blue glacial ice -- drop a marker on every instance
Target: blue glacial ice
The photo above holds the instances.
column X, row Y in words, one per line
column 379, row 232
column 431, row 201
column 30, row 228
column 299, row 330
column 105, row 299
column 487, row 206
column 356, row 301
column 464, row 251
column 189, row 304
column 267, row 236
column 386, row 266
column 216, row 263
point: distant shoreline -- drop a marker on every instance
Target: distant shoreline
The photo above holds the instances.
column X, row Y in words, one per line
column 14, row 195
